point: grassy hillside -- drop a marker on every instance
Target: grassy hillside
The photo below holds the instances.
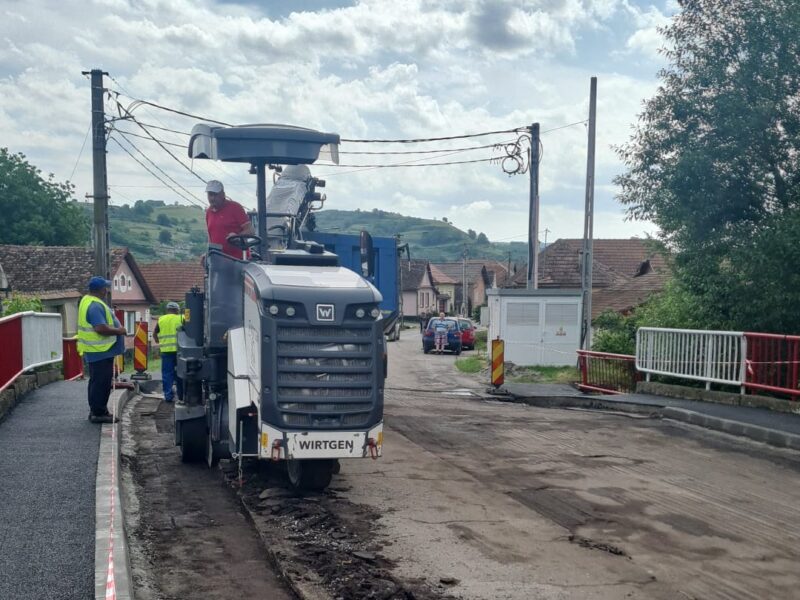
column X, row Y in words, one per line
column 427, row 238
column 156, row 231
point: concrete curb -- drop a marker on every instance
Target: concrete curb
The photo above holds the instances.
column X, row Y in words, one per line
column 772, row 437
column 757, row 433
column 108, row 457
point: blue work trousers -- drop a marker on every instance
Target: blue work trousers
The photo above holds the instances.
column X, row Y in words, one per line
column 169, row 375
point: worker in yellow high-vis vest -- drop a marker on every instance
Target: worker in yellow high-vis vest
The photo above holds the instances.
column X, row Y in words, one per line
column 166, row 336
column 100, row 339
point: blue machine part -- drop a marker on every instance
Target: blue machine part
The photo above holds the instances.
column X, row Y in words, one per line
column 348, row 248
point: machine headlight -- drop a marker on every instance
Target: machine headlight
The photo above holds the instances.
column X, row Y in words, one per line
column 290, row 311
column 273, row 310
column 374, row 313
column 360, row 313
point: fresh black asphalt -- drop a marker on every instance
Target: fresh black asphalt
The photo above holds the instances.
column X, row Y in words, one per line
column 48, row 463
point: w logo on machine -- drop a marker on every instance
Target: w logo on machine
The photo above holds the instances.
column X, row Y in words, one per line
column 325, row 312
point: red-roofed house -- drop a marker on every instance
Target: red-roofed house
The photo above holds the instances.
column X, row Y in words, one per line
column 57, row 275
column 171, row 280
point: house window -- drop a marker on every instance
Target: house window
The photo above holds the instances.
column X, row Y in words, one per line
column 130, row 322
column 122, row 286
column 130, row 283
column 116, row 283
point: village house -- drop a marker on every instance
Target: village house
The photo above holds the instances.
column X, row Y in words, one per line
column 57, row 275
column 169, row 281
column 419, row 293
column 625, row 272
column 446, row 288
column 478, row 280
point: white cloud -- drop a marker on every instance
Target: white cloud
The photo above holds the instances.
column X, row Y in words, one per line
column 376, row 69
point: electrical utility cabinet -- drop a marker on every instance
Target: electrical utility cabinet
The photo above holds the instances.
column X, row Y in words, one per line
column 539, row 327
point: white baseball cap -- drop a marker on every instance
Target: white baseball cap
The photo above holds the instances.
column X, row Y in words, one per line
column 214, row 186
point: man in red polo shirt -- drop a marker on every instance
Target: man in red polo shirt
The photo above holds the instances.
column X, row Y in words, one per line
column 225, row 218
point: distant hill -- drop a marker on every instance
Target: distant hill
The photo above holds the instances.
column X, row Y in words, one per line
column 427, row 238
column 154, row 231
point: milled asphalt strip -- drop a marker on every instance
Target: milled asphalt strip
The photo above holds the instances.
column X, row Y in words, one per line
column 48, row 457
column 106, row 486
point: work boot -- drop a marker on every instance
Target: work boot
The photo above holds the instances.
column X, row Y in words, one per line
column 107, row 417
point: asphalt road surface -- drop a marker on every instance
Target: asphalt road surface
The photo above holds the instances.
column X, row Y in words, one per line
column 48, row 464
column 477, row 499
column 512, row 501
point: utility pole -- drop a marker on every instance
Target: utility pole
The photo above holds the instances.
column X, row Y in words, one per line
column 100, row 179
column 533, row 212
column 464, row 287
column 588, row 225
column 508, row 270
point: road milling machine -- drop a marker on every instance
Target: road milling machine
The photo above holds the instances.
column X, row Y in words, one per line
column 282, row 355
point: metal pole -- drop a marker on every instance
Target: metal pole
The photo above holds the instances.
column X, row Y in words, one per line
column 261, row 195
column 463, row 311
column 588, row 225
column 533, row 213
column 100, row 177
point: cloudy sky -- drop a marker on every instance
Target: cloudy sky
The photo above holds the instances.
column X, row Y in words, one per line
column 366, row 69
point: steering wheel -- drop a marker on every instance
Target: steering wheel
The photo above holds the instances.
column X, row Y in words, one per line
column 243, row 242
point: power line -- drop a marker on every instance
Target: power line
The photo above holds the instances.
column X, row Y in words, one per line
column 80, row 152
column 167, row 175
column 144, row 137
column 564, row 126
column 146, row 168
column 157, row 141
column 435, row 139
column 436, row 164
column 138, row 102
column 465, row 149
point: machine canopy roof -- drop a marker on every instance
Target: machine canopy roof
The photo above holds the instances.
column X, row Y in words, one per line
column 276, row 144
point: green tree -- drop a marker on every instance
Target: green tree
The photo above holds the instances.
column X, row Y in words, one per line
column 715, row 160
column 163, row 220
column 165, row 236
column 37, row 210
column 19, row 304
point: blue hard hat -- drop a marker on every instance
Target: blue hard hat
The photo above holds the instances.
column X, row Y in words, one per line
column 98, row 283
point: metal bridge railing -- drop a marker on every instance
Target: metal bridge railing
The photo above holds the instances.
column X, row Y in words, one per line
column 607, row 373
column 28, row 340
column 709, row 356
column 772, row 363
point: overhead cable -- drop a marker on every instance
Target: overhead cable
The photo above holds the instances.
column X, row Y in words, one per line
column 167, row 175
column 157, row 141
column 144, row 137
column 146, row 168
column 80, row 152
column 435, row 139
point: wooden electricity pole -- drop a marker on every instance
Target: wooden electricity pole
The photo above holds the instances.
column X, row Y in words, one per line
column 102, row 265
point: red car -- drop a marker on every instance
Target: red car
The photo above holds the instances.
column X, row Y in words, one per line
column 467, row 334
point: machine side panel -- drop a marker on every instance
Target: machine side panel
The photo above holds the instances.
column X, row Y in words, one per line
column 252, row 333
column 223, row 310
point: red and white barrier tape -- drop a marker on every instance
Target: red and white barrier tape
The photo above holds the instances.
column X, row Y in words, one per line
column 111, row 587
